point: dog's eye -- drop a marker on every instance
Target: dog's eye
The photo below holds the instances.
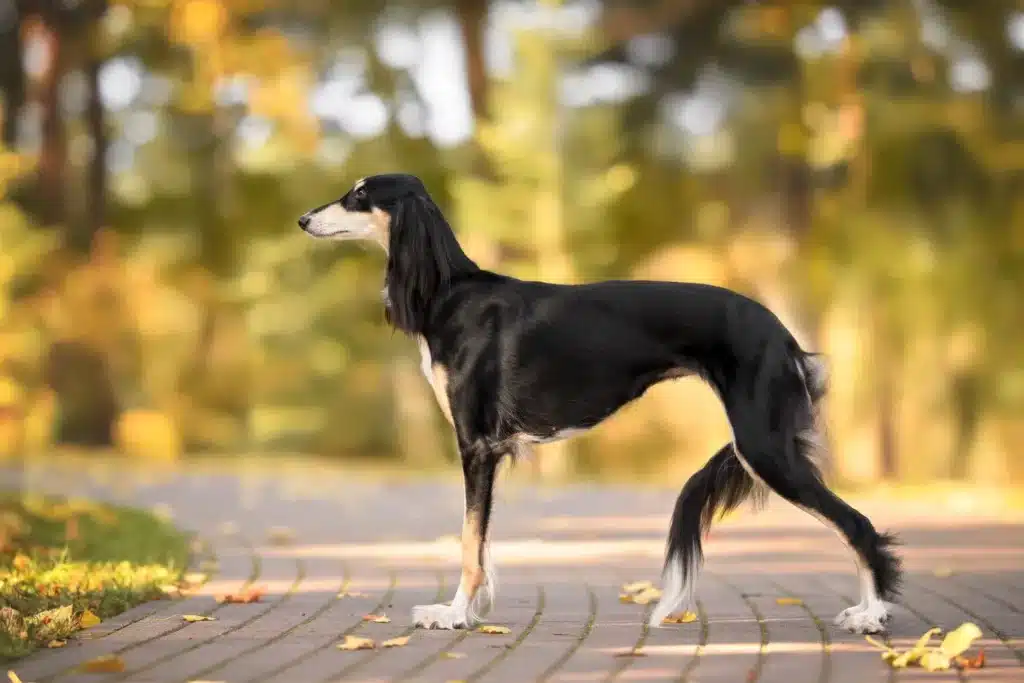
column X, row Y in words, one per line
column 361, row 193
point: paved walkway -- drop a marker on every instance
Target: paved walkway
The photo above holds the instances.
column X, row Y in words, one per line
column 562, row 557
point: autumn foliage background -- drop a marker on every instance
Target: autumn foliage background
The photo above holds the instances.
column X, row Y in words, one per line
column 857, row 165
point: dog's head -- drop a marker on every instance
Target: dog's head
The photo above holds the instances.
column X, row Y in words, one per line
column 365, row 212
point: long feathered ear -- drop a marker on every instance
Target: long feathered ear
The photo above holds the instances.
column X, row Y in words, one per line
column 423, row 259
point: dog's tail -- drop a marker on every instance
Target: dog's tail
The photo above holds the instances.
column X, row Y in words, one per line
column 720, row 486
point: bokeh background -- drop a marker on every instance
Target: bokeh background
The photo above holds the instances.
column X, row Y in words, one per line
column 858, row 165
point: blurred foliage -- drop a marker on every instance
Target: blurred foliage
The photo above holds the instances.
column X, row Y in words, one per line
column 858, row 166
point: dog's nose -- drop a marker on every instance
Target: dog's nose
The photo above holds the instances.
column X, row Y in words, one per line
column 304, row 221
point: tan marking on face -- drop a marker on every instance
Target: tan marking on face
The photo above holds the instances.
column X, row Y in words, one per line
column 381, row 223
column 359, row 183
column 472, row 540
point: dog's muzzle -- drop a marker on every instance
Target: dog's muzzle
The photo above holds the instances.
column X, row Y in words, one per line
column 304, row 220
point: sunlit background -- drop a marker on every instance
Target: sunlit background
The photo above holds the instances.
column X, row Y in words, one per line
column 858, row 166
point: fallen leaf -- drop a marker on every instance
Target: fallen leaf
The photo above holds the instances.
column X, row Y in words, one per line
column 13, row 677
column 635, row 652
column 960, row 639
column 942, row 572
column 684, row 618
column 88, row 619
column 355, row 643
column 494, row 629
column 642, row 597
column 453, row 655
column 247, row 595
column 280, row 535
column 54, row 644
column 169, row 589
column 377, row 618
column 637, row 586
column 352, row 594
column 788, row 601
column 967, row 663
column 193, row 618
column 934, row 660
column 401, row 641
column 103, row 665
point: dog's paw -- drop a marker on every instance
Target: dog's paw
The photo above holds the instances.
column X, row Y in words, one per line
column 864, row 620
column 446, row 617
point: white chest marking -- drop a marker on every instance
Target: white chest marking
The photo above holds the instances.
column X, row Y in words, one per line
column 437, row 376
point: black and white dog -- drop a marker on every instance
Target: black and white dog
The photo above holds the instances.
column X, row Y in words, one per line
column 514, row 363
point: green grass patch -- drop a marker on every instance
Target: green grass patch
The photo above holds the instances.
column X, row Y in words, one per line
column 65, row 559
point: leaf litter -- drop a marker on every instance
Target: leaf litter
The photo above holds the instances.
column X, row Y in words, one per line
column 493, row 629
column 681, row 618
column 639, row 593
column 353, row 643
column 377, row 618
column 949, row 652
column 247, row 595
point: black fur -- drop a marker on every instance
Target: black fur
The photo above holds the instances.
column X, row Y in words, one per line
column 525, row 361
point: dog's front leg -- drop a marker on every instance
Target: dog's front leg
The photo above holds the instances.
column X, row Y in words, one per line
column 478, row 470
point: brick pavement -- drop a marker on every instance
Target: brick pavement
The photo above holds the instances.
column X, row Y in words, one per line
column 562, row 556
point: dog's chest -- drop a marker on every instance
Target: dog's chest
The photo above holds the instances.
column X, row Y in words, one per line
column 437, row 376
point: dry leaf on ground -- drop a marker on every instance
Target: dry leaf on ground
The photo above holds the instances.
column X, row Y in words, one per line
column 13, row 677
column 352, row 594
column 53, row 644
column 193, row 618
column 401, row 641
column 494, row 629
column 639, row 593
column 103, row 665
column 377, row 618
column 789, row 601
column 977, row 662
column 247, row 595
column 453, row 655
column 635, row 652
column 684, row 618
column 88, row 619
column 938, row 658
column 636, row 586
column 194, row 578
column 356, row 643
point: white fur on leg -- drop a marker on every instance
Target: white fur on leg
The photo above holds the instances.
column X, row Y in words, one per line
column 871, row 614
column 676, row 592
column 462, row 612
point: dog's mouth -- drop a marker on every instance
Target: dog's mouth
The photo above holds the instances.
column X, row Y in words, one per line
column 334, row 222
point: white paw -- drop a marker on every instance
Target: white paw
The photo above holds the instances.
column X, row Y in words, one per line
column 445, row 617
column 869, row 619
column 847, row 613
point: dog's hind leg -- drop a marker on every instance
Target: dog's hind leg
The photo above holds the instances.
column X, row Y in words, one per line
column 479, row 466
column 781, row 458
column 721, row 485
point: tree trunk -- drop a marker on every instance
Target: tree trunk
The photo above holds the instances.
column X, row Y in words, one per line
column 472, row 18
column 12, row 75
column 96, row 174
column 53, row 156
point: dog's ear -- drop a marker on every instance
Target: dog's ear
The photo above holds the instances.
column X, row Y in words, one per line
column 423, row 258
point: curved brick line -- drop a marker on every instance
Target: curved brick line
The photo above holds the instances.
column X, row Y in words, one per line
column 1003, row 637
column 300, row 574
column 762, row 650
column 486, row 667
column 381, row 604
column 625, row 662
column 892, row 673
column 374, row 654
column 283, row 634
column 430, row 659
column 705, row 631
column 254, row 573
column 585, row 632
column 826, row 641
column 994, row 598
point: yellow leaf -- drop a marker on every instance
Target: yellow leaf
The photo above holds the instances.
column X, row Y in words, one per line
column 88, row 619
column 377, row 618
column 935, row 660
column 53, row 644
column 355, row 643
column 193, row 618
column 103, row 665
column 396, row 642
column 788, row 601
column 643, row 597
column 635, row 652
column 453, row 655
column 351, row 594
column 194, row 578
column 494, row 629
column 13, row 677
column 960, row 639
column 637, row 587
column 684, row 618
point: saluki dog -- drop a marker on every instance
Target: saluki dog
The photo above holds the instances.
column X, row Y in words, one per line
column 514, row 363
